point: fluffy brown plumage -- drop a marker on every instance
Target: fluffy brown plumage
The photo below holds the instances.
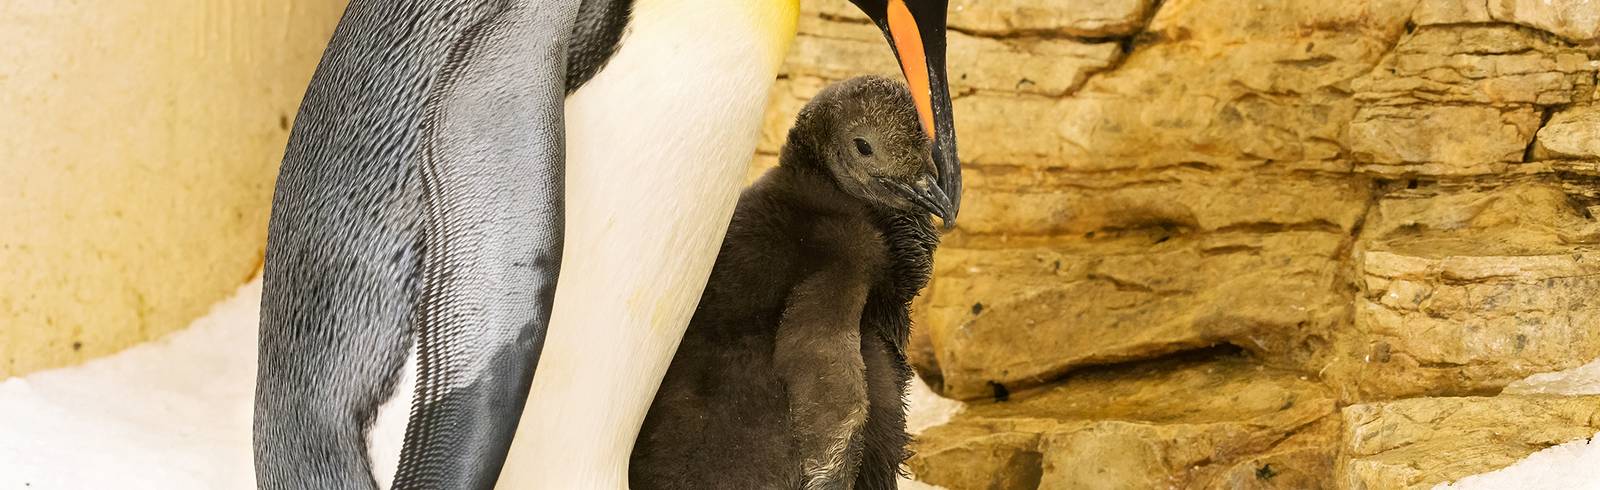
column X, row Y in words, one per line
column 792, row 373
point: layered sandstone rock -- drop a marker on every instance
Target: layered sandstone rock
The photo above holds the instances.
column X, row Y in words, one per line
column 1465, row 290
column 1022, row 314
column 1495, row 81
column 1570, row 133
column 1182, row 424
column 1394, row 199
column 1415, row 444
column 1575, row 20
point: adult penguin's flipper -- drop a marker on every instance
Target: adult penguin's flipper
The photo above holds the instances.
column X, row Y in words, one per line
column 492, row 172
column 419, row 194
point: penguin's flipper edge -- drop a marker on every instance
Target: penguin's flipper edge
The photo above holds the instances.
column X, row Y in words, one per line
column 492, row 173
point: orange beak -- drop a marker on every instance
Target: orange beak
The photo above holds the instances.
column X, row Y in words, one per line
column 913, row 60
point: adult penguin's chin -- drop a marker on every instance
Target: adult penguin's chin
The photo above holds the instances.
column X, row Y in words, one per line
column 916, row 31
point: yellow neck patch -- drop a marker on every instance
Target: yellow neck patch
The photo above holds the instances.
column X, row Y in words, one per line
column 774, row 21
column 786, row 21
column 779, row 19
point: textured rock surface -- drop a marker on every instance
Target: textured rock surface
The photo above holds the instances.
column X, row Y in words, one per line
column 1571, row 134
column 1574, row 20
column 1415, row 444
column 1465, row 290
column 1181, row 424
column 1442, row 80
column 1391, row 198
column 1021, row 317
column 138, row 146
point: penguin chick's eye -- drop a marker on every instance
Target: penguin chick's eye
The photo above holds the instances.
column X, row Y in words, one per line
column 863, row 148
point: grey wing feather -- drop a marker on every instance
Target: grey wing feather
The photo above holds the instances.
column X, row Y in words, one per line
column 348, row 241
column 492, row 186
column 340, row 276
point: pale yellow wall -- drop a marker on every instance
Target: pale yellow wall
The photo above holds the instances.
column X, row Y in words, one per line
column 138, row 145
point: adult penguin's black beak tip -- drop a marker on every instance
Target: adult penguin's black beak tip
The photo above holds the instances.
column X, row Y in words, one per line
column 928, row 196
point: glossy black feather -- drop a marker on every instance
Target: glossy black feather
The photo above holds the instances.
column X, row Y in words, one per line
column 595, row 39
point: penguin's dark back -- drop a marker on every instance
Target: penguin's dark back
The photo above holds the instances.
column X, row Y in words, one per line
column 595, row 38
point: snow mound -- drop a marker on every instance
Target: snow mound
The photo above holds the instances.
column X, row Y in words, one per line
column 1574, row 465
column 167, row 414
column 1582, row 380
column 1571, row 466
column 174, row 413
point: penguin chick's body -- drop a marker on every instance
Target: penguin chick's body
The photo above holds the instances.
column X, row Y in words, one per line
column 792, row 373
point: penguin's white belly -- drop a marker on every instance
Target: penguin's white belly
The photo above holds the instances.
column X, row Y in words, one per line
column 657, row 145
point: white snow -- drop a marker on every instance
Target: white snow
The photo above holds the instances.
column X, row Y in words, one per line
column 1581, row 380
column 1571, row 466
column 1574, row 465
column 169, row 414
column 174, row 413
column 928, row 408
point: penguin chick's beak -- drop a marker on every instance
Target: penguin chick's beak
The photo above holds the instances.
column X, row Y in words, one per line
column 927, row 195
column 916, row 30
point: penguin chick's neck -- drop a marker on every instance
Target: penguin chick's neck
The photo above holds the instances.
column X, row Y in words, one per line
column 802, row 180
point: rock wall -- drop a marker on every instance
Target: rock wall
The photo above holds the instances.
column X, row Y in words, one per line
column 1252, row 244
column 138, row 145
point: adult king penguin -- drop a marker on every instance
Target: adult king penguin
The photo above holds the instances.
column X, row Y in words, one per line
column 445, row 156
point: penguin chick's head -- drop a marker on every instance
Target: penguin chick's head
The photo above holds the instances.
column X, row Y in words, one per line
column 866, row 135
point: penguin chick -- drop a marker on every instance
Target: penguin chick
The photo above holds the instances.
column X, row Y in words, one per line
column 792, row 373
